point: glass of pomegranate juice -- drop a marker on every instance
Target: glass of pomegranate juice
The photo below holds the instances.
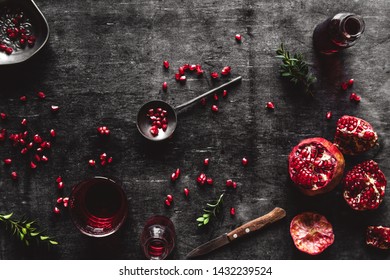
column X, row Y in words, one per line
column 98, row 206
column 158, row 237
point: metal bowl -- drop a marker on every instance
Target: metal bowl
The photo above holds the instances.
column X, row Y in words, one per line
column 39, row 25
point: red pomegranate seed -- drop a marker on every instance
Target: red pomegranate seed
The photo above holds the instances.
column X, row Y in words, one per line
column 56, row 210
column 3, row 116
column 39, row 150
column 214, row 108
column 214, row 75
column 41, row 95
column 183, row 79
column 244, row 161
column 60, row 200
column 210, row 181
column 59, row 179
column 45, row 145
column 37, row 158
column 44, row 158
column 30, row 145
column 14, row 175
column 192, row 67
column 24, row 151
column 165, row 86
column 234, row 185
column 173, row 177
column 169, row 197
column 60, row 185
column 65, row 201
column 23, row 122
column 166, row 64
column 91, row 162
column 270, row 105
column 350, row 82
column 215, row 97
column 23, row 98
column 167, row 203
column 344, row 86
column 224, row 93
column 229, row 183
column 7, row 161
column 109, row 160
column 54, row 108
column 186, row 66
column 164, row 127
column 103, row 130
column 354, row 97
column 177, row 76
column 177, row 173
column 103, row 163
column 22, row 41
column 238, row 37
column 9, row 50
column 201, row 179
column 37, row 139
column 206, row 161
column 329, row 115
column 181, row 70
column 232, row 211
column 33, row 165
column 186, row 192
column 103, row 156
column 53, row 133
column 203, row 101
column 226, row 70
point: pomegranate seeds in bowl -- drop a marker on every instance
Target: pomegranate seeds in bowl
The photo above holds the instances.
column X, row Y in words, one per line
column 311, row 233
column 315, row 166
column 378, row 237
column 364, row 186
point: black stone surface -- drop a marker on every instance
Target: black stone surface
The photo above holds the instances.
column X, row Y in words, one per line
column 104, row 60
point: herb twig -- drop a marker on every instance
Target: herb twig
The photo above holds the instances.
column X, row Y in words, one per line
column 296, row 69
column 25, row 230
column 210, row 211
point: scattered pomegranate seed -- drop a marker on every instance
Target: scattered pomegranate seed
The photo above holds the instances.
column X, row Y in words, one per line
column 9, row 50
column 181, row 70
column 350, row 82
column 229, row 183
column 167, row 203
column 166, row 64
column 41, row 95
column 173, row 177
column 14, row 175
column 109, row 160
column 60, row 185
column 234, row 185
column 53, row 133
column 186, row 192
column 215, row 97
column 33, row 165
column 60, row 200
column 214, row 75
column 23, row 98
column 270, row 105
column 103, row 130
column 224, row 93
column 37, row 139
column 203, row 101
column 56, row 210
column 23, row 122
column 206, row 161
column 226, row 70
column 54, row 108
column 7, row 161
column 214, row 108
column 103, row 156
column 232, row 211
column 344, row 86
column 24, row 151
column 210, row 181
column 165, row 86
column 45, row 145
column 177, row 173
column 59, row 179
column 44, row 158
column 37, row 158
column 238, row 37
column 183, row 79
column 354, row 97
column 3, row 116
column 244, row 161
column 65, row 201
column 192, row 67
column 169, row 197
column 329, row 115
column 91, row 162
column 186, row 66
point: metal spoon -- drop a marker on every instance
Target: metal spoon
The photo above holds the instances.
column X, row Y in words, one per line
column 143, row 121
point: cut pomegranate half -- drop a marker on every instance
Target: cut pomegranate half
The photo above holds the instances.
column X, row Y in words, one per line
column 316, row 166
column 364, row 186
column 311, row 233
column 378, row 237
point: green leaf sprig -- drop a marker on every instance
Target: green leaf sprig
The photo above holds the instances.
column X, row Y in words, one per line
column 296, row 69
column 25, row 230
column 210, row 211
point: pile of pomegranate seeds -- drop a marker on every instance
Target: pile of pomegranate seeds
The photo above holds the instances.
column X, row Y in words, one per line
column 104, row 160
column 180, row 75
column 231, row 184
column 158, row 119
column 16, row 32
column 103, row 130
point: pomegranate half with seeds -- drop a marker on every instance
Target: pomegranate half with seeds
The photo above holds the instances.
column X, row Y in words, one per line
column 378, row 237
column 316, row 166
column 364, row 186
column 311, row 233
column 354, row 135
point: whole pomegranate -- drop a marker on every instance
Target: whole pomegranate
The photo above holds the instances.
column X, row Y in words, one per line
column 311, row 233
column 364, row 186
column 354, row 136
column 378, row 237
column 316, row 166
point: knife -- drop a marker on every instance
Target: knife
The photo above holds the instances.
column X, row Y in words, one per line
column 226, row 238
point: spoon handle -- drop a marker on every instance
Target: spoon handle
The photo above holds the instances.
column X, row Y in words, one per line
column 208, row 93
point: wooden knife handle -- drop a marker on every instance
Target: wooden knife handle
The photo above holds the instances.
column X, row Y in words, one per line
column 257, row 224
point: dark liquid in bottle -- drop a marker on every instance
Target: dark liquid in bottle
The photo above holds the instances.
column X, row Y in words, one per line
column 102, row 200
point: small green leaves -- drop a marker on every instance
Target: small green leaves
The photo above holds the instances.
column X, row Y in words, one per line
column 24, row 230
column 295, row 68
column 210, row 212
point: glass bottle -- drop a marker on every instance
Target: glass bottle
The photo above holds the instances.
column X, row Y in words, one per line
column 337, row 33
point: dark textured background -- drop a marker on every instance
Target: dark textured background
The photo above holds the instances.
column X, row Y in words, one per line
column 104, row 60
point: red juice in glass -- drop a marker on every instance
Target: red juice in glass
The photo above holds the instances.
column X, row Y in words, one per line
column 158, row 238
column 98, row 206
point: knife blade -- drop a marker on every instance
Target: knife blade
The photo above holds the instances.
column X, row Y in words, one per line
column 275, row 215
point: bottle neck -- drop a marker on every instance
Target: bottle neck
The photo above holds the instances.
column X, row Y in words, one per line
column 349, row 26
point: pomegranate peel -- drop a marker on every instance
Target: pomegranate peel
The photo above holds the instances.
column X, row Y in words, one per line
column 316, row 166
